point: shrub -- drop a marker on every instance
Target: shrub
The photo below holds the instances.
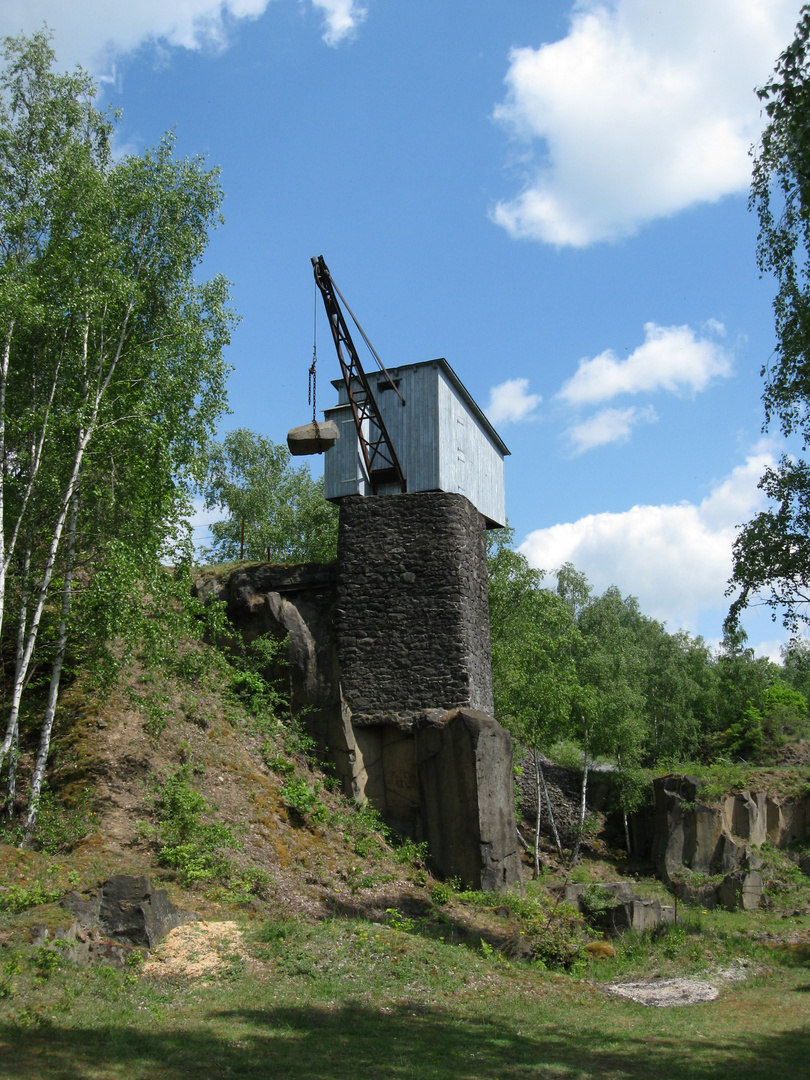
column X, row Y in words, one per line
column 301, row 797
column 60, row 827
column 187, row 844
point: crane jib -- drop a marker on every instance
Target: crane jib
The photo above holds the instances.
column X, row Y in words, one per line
column 379, row 457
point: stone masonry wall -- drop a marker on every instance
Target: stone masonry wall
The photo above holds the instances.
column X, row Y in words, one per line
column 412, row 618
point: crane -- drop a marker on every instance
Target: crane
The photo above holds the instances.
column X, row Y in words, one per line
column 379, row 457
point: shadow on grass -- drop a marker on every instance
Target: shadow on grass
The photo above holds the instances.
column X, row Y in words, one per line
column 430, row 921
column 406, row 1041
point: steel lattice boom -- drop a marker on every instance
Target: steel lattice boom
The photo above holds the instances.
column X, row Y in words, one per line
column 379, row 457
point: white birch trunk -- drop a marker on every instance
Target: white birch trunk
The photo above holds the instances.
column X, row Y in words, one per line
column 539, row 814
column 14, row 733
column 31, row 636
column 84, row 438
column 3, row 390
column 56, row 675
column 557, row 840
column 33, row 471
column 584, row 796
column 11, row 786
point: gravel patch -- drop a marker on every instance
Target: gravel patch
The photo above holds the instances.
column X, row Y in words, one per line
column 666, row 993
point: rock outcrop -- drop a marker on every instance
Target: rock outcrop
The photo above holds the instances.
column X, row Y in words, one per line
column 127, row 911
column 464, row 763
column 613, row 907
column 692, row 834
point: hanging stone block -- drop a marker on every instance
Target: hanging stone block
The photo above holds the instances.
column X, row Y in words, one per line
column 312, row 438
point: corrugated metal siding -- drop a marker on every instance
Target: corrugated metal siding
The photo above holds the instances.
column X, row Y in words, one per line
column 440, row 442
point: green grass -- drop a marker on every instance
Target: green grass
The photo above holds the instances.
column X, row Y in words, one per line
column 344, row 999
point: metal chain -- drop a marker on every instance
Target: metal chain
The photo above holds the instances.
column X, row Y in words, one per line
column 312, row 375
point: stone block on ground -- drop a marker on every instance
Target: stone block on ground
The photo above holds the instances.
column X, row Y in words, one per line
column 614, row 908
column 741, row 890
column 127, row 909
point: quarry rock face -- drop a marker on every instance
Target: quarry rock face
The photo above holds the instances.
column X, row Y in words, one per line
column 464, row 766
column 690, row 834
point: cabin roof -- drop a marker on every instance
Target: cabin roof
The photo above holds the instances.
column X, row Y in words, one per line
column 461, row 389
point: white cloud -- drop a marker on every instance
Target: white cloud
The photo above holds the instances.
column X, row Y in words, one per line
column 608, row 426
column 671, row 358
column 642, row 110
column 201, row 521
column 675, row 559
column 341, row 17
column 510, row 402
column 94, row 33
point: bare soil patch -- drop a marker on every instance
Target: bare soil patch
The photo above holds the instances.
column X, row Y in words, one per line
column 196, row 949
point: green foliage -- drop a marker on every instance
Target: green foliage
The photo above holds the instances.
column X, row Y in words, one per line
column 297, row 741
column 631, row 788
column 772, row 552
column 365, row 830
column 18, row 898
column 275, row 762
column 595, row 901
column 111, row 382
column 533, row 637
column 556, row 935
column 192, row 847
column 286, row 517
column 59, row 827
column 397, row 921
column 576, row 672
column 408, row 852
column 442, row 891
column 297, row 793
column 259, row 669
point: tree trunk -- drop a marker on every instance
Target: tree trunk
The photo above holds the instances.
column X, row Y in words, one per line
column 551, row 814
column 56, row 675
column 539, row 814
column 3, row 387
column 12, row 733
column 8, row 546
column 585, row 766
column 626, row 833
column 11, row 786
column 83, row 439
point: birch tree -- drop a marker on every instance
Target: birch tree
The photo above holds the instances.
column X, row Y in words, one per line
column 112, row 370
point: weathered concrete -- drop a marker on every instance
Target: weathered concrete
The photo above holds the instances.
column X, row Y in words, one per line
column 617, row 908
column 464, row 764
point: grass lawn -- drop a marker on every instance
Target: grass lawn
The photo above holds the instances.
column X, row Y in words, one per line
column 348, row 999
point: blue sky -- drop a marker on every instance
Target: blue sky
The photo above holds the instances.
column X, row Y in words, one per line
column 551, row 195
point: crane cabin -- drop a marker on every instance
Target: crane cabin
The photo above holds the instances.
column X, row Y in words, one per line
column 443, row 440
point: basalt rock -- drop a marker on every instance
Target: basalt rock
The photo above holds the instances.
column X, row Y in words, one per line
column 464, row 764
column 127, row 910
column 614, row 908
column 689, row 833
